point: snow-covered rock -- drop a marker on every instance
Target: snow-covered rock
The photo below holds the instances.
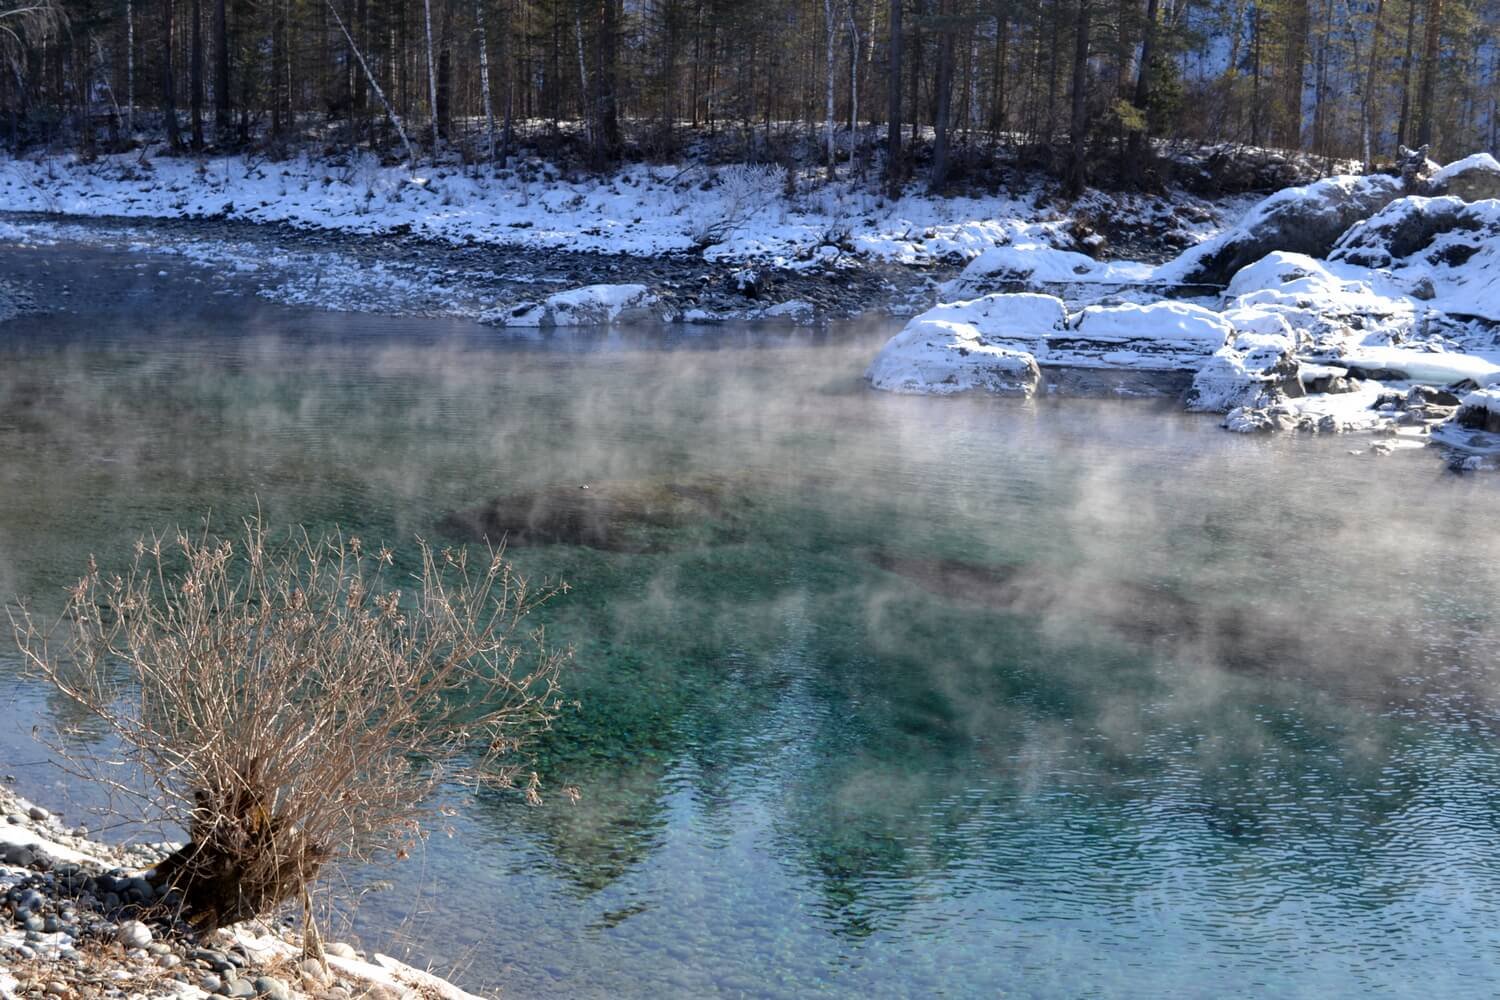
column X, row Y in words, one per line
column 942, row 357
column 1162, row 335
column 983, row 344
column 1480, row 410
column 591, row 305
column 1000, row 342
column 1026, row 267
column 1257, row 370
column 1473, row 178
column 1307, row 220
column 1322, row 413
column 1442, row 251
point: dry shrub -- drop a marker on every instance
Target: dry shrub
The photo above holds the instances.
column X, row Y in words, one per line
column 295, row 708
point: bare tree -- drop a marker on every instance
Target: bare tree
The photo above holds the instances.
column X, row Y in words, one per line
column 831, row 31
column 292, row 706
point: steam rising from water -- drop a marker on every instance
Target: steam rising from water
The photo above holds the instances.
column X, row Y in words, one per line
column 1068, row 697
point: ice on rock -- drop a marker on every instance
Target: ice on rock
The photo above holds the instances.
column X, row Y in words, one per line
column 591, row 305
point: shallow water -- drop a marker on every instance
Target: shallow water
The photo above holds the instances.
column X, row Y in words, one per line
column 935, row 697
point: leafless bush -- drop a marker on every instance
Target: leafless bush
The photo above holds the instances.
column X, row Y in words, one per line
column 292, row 706
column 744, row 191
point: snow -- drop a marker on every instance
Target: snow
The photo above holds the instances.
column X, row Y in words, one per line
column 1430, row 367
column 591, row 305
column 1165, row 322
column 1323, row 286
column 641, row 210
column 1313, row 214
column 944, row 357
column 29, row 837
column 1475, row 161
column 382, row 971
column 1037, row 265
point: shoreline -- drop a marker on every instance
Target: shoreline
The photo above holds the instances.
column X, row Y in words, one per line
column 74, row 922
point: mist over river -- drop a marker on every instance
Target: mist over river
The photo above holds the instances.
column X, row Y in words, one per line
column 881, row 696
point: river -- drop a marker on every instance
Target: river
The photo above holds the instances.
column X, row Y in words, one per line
column 950, row 697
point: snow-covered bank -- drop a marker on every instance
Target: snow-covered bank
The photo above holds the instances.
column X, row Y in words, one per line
column 711, row 243
column 76, row 920
column 1353, row 303
column 733, row 213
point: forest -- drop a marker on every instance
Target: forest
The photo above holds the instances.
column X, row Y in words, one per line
column 904, row 89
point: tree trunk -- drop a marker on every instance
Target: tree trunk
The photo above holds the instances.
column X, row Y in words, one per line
column 195, row 76
column 1139, row 140
column 1367, row 99
column 944, row 109
column 1289, row 132
column 431, row 78
column 831, row 39
column 221, row 72
column 1432, row 37
column 608, row 84
column 893, row 120
column 1403, row 123
column 168, row 84
column 129, row 68
column 1078, row 124
column 411, row 156
column 484, row 76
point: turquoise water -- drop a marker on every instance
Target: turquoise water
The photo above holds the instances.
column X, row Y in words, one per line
column 935, row 697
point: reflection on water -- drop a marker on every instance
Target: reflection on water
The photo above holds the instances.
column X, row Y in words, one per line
column 951, row 697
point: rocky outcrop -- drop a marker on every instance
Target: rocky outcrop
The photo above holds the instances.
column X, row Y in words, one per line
column 1005, row 343
column 1306, row 220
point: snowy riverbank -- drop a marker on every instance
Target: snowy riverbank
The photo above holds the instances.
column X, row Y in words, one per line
column 710, row 243
column 76, row 920
column 1350, row 304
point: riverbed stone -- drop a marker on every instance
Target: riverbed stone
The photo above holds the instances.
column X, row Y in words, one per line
column 133, row 934
column 272, row 988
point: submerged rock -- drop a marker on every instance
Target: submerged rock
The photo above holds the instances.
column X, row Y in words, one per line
column 618, row 516
column 1152, row 617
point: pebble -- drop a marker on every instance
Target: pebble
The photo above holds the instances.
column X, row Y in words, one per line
column 21, row 857
column 242, row 989
column 39, row 814
column 34, row 923
column 341, row 949
column 210, row 984
column 133, row 934
column 168, row 961
column 269, row 986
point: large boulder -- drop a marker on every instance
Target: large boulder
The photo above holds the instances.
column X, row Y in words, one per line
column 1306, row 220
column 980, row 345
column 1474, row 178
column 1480, row 410
column 1444, row 251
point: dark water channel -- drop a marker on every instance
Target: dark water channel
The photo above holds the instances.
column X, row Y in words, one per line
column 882, row 696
